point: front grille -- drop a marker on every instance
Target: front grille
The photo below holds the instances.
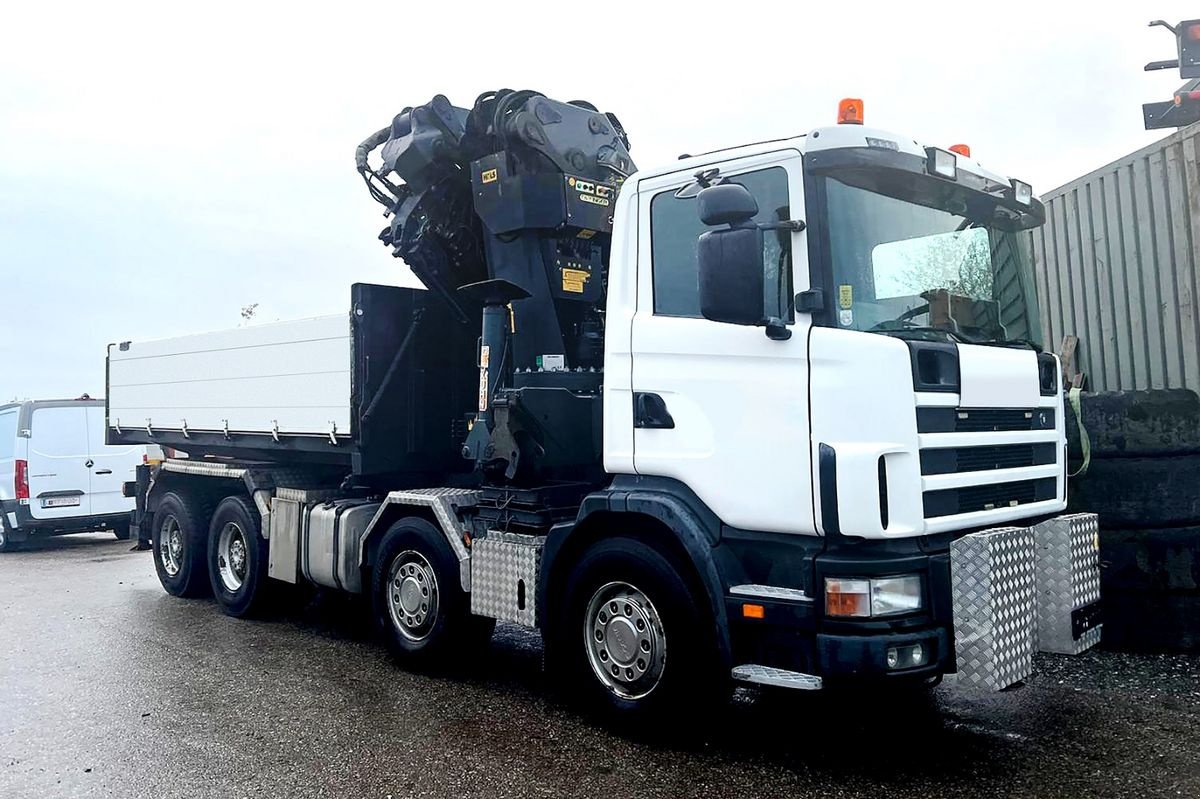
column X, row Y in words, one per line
column 951, row 460
column 983, row 420
column 951, row 501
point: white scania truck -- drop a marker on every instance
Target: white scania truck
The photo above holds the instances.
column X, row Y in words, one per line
column 716, row 421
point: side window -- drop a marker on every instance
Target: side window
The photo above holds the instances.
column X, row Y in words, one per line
column 8, row 433
column 675, row 227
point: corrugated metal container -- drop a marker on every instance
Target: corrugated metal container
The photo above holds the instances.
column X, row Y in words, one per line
column 1115, row 265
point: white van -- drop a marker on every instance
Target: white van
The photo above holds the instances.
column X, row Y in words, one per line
column 57, row 475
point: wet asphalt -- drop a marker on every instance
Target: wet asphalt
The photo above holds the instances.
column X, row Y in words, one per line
column 109, row 687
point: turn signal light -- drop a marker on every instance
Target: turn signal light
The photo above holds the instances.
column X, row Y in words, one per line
column 850, row 111
column 847, row 597
column 753, row 611
column 962, row 149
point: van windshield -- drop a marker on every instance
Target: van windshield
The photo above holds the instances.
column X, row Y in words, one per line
column 905, row 268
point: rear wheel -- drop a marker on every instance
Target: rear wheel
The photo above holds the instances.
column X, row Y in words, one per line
column 7, row 544
column 237, row 557
column 180, row 535
column 419, row 605
column 634, row 636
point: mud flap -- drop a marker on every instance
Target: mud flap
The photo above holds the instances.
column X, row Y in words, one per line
column 994, row 602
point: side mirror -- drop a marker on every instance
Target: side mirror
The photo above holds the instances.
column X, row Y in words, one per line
column 731, row 260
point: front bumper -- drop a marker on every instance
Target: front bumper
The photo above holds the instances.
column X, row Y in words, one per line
column 794, row 633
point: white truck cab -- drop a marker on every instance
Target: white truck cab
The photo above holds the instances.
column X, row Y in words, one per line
column 889, row 390
column 57, row 475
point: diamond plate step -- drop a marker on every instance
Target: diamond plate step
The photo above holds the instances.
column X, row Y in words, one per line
column 780, row 678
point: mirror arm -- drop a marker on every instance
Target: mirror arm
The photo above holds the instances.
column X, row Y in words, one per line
column 776, row 329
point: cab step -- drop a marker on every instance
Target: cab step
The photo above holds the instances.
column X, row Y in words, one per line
column 780, row 678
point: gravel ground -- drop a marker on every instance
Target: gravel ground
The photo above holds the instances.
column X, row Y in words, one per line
column 109, row 687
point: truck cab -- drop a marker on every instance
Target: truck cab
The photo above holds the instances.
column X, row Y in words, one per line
column 902, row 401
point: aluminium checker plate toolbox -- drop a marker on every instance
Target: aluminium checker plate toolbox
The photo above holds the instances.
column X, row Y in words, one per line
column 994, row 599
column 1068, row 583
column 504, row 576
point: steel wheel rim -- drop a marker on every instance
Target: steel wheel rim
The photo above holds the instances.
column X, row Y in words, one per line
column 232, row 556
column 170, row 546
column 412, row 594
column 625, row 642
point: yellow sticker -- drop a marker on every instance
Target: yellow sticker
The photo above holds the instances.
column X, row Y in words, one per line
column 573, row 280
column 585, row 234
column 489, row 176
column 845, row 296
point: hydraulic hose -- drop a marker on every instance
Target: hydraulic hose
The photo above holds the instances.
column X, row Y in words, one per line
column 368, row 146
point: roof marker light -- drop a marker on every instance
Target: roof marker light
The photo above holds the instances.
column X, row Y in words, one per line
column 942, row 163
column 850, row 111
column 962, row 149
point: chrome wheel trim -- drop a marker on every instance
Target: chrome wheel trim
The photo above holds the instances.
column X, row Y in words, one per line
column 232, row 556
column 625, row 642
column 412, row 594
column 170, row 546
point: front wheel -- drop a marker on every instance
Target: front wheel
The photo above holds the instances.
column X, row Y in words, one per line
column 420, row 609
column 635, row 637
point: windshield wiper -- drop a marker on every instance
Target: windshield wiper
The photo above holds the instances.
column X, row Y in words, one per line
column 1011, row 342
column 904, row 326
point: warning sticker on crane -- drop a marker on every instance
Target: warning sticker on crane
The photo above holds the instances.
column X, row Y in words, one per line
column 845, row 296
column 573, row 280
column 488, row 176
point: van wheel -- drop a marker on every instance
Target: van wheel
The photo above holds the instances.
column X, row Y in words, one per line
column 635, row 638
column 237, row 557
column 418, row 602
column 180, row 535
column 7, row 544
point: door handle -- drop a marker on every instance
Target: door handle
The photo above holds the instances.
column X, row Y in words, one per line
column 104, row 471
column 650, row 412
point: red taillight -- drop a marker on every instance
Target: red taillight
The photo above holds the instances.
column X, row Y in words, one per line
column 1192, row 32
column 21, row 480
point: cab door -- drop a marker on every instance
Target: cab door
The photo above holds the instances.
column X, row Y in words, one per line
column 720, row 407
column 59, row 473
column 111, row 467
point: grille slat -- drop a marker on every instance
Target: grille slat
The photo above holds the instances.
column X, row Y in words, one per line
column 983, row 420
column 968, row 499
column 950, row 460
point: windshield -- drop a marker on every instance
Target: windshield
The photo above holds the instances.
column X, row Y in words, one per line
column 913, row 270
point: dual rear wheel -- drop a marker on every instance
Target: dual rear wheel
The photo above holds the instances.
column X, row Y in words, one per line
column 200, row 548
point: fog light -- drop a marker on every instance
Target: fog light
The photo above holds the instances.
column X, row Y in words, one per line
column 906, row 657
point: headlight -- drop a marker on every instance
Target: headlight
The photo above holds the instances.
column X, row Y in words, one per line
column 879, row 596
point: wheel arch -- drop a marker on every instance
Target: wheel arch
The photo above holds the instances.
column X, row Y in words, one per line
column 662, row 520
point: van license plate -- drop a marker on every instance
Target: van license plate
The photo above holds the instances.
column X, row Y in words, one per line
column 59, row 502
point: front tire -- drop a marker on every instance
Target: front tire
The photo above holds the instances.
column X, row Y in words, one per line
column 180, row 537
column 237, row 557
column 419, row 606
column 634, row 636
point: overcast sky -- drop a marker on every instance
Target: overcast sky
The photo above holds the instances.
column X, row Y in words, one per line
column 162, row 165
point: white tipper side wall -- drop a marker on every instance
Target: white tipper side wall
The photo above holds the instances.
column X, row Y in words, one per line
column 293, row 377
